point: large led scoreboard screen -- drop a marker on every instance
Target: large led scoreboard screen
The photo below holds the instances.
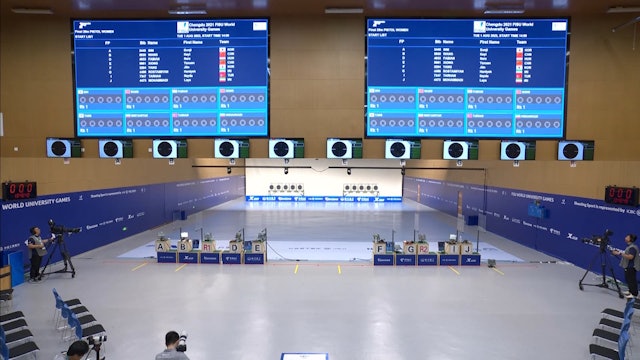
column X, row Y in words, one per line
column 457, row 78
column 144, row 78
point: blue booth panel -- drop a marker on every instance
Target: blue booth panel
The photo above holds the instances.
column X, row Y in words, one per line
column 386, row 260
column 250, row 258
column 427, row 259
column 14, row 259
column 405, row 260
column 188, row 258
column 231, row 258
column 449, row 260
column 210, row 258
column 470, row 260
column 168, row 257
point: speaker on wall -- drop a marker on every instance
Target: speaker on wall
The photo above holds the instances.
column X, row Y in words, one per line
column 64, row 148
column 230, row 148
column 169, row 149
column 517, row 150
column 576, row 150
column 115, row 148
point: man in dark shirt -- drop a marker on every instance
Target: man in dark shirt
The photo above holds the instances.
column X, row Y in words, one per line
column 170, row 353
column 37, row 250
column 631, row 264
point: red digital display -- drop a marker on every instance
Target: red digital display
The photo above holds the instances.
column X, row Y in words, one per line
column 621, row 195
column 19, row 190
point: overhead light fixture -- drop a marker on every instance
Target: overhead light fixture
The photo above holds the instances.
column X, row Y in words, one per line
column 630, row 22
column 188, row 10
column 32, row 11
column 503, row 11
column 623, row 9
column 339, row 10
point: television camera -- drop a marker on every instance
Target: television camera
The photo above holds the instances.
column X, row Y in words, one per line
column 182, row 342
column 96, row 342
column 58, row 229
column 601, row 241
column 97, row 339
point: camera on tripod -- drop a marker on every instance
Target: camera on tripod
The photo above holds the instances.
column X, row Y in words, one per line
column 59, row 229
column 182, row 342
column 97, row 339
column 599, row 240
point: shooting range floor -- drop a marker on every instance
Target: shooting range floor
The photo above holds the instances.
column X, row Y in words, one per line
column 528, row 307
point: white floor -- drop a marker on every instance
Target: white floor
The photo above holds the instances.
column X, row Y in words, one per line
column 526, row 309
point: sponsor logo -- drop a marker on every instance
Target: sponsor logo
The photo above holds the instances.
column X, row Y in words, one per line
column 572, row 237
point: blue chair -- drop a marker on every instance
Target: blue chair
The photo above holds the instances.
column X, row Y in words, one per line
column 60, row 302
column 87, row 331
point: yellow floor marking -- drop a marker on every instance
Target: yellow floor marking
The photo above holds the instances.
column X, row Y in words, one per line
column 296, row 269
column 498, row 271
column 454, row 270
column 180, row 267
column 139, row 266
column 339, row 270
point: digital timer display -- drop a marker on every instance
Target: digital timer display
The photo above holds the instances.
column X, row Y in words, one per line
column 19, row 190
column 621, row 195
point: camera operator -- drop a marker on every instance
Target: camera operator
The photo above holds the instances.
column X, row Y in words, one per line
column 36, row 251
column 171, row 340
column 76, row 351
column 631, row 264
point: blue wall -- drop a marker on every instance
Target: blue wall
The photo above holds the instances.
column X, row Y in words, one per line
column 570, row 219
column 110, row 215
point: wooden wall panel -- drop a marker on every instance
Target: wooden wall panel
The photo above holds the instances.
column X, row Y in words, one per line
column 317, row 91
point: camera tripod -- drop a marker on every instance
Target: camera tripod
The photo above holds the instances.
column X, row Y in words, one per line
column 66, row 258
column 605, row 264
column 96, row 348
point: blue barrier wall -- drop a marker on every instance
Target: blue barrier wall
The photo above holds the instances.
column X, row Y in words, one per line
column 569, row 219
column 110, row 215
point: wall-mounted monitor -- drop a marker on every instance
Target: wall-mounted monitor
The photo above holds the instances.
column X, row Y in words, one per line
column 64, row 148
column 473, row 78
column 576, row 150
column 231, row 148
column 171, row 77
column 517, row 150
column 344, row 148
column 402, row 149
column 460, row 150
column 286, row 148
column 118, row 149
column 169, row 149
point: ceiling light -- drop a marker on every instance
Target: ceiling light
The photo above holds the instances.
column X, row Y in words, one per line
column 32, row 11
column 623, row 9
column 343, row 10
column 503, row 11
column 188, row 10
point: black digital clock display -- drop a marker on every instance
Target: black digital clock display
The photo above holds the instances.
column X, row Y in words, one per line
column 621, row 195
column 19, row 190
